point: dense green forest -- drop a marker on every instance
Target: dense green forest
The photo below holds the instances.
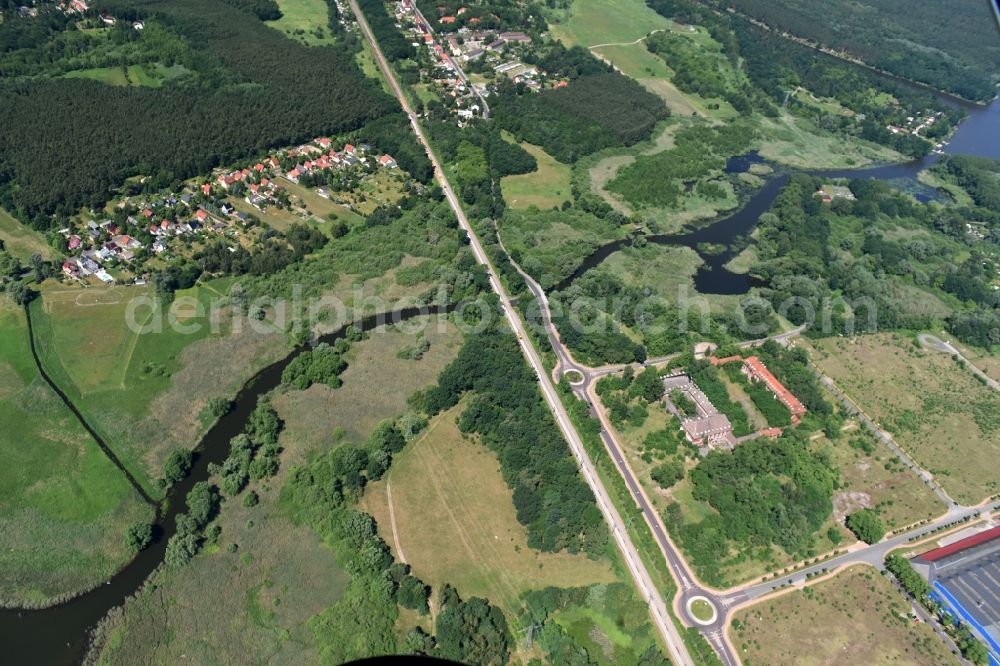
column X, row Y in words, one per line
column 777, row 66
column 507, row 411
column 850, row 261
column 978, row 176
column 765, row 491
column 392, row 42
column 598, row 108
column 243, row 106
column 952, row 45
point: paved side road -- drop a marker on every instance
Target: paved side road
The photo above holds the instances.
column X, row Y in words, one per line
column 937, row 344
column 658, row 609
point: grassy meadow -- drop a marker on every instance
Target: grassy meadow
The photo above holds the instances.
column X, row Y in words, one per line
column 547, row 186
column 148, row 76
column 936, row 410
column 64, row 506
column 447, row 488
column 281, row 574
column 146, row 393
column 304, row 20
column 21, row 241
column 857, row 617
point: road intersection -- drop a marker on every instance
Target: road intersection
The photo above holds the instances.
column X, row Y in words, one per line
column 658, row 609
column 689, row 588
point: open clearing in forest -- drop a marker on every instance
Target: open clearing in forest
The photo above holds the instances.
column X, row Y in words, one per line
column 448, row 489
column 547, row 186
column 20, row 241
column 304, row 20
column 935, row 409
column 857, row 617
column 64, row 506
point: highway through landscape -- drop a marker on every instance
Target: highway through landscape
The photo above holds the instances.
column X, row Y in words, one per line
column 689, row 588
column 658, row 608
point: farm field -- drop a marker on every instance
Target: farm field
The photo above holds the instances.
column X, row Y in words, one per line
column 547, row 186
column 147, row 393
column 304, row 20
column 857, row 617
column 935, row 410
column 64, row 507
column 20, row 241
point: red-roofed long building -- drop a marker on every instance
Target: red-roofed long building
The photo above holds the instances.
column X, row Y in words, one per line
column 758, row 372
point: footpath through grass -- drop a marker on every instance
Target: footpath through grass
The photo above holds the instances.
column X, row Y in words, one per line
column 64, row 507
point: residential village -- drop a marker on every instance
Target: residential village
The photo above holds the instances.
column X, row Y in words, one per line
column 144, row 231
column 465, row 59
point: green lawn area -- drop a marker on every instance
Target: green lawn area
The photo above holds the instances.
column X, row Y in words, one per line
column 64, row 506
column 22, row 241
column 547, row 186
column 304, row 20
column 146, row 393
column 857, row 617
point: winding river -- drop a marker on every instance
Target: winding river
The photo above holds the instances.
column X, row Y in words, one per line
column 60, row 634
column 978, row 134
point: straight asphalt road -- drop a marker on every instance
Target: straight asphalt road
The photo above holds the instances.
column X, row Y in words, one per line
column 658, row 608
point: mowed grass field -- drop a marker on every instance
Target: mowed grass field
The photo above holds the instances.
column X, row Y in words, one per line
column 304, row 20
column 20, row 241
column 446, row 488
column 856, row 617
column 64, row 507
column 547, row 186
column 935, row 409
column 592, row 22
column 146, row 390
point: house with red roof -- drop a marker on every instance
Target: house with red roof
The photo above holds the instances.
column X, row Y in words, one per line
column 201, row 215
column 387, row 161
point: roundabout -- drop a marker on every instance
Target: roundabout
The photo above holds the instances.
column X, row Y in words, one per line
column 702, row 611
column 575, row 377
